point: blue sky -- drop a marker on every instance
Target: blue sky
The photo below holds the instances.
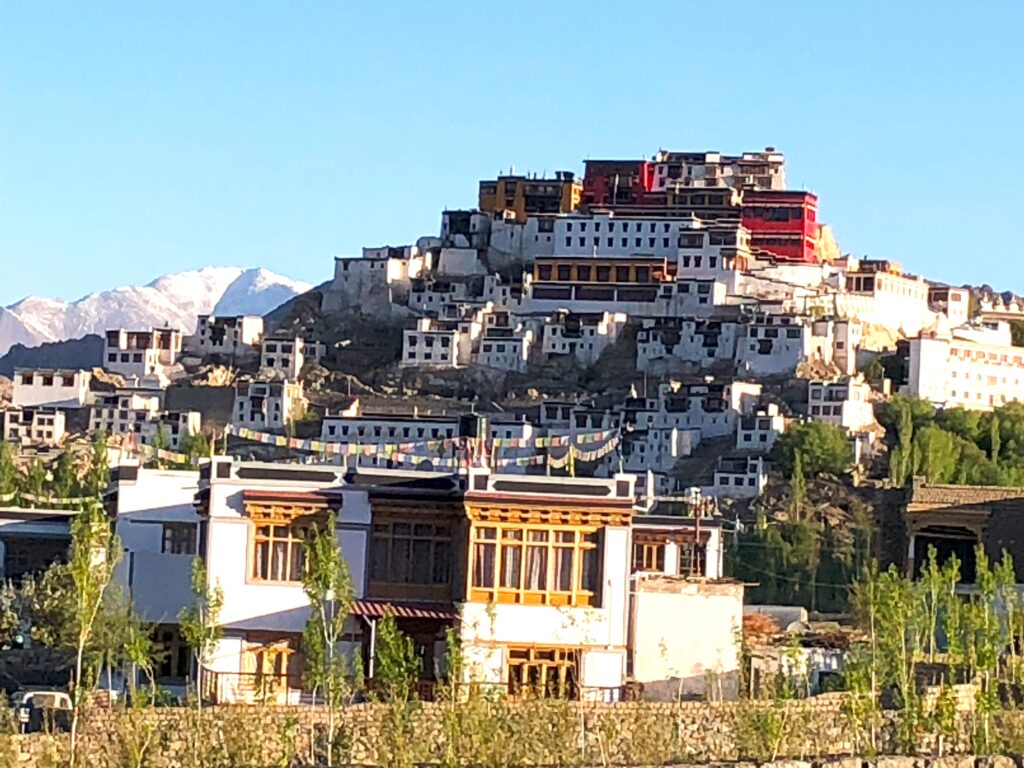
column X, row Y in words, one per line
column 140, row 138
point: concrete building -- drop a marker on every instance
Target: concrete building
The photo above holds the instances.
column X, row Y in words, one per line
column 685, row 637
column 32, row 539
column 583, row 336
column 952, row 303
column 505, row 349
column 283, row 355
column 740, row 477
column 36, row 425
column 525, row 196
column 844, row 403
column 157, row 524
column 268, row 405
column 750, row 170
column 228, row 337
column 377, row 282
column 124, row 411
column 975, row 368
column 252, row 520
column 142, row 355
column 62, row 388
column 758, row 431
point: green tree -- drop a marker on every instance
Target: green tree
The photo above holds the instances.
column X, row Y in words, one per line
column 8, row 473
column 797, row 486
column 874, row 370
column 65, row 477
column 824, row 449
column 97, row 478
column 49, row 605
column 196, row 446
column 936, row 454
column 328, row 586
column 34, row 482
column 200, row 622
column 994, row 438
column 961, row 421
column 397, row 666
column 94, row 554
column 10, row 614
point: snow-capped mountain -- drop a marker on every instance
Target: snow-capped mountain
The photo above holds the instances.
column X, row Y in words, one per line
column 173, row 300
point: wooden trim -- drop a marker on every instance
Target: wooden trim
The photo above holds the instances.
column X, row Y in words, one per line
column 575, row 515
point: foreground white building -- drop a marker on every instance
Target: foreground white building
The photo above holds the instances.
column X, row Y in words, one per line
column 534, row 574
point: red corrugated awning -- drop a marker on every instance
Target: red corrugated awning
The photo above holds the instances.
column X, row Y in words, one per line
column 375, row 609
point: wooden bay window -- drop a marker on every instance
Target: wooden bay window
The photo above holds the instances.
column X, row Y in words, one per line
column 535, row 565
column 543, row 671
column 278, row 552
column 409, row 558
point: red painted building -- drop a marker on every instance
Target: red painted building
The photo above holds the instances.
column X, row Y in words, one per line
column 783, row 223
column 617, row 182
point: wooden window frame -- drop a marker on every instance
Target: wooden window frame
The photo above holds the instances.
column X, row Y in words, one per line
column 564, row 663
column 294, row 541
column 178, row 538
column 504, row 537
column 648, row 555
column 440, row 538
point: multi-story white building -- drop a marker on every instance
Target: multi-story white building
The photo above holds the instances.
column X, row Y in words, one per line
column 54, row 387
column 283, row 355
column 583, row 336
column 268, row 405
column 158, row 527
column 740, row 477
column 505, row 349
column 33, row 425
column 379, row 282
column 123, row 412
column 440, row 551
column 975, row 368
column 138, row 415
column 140, row 355
column 754, row 170
column 757, row 431
column 446, row 343
column 844, row 403
column 352, row 427
column 231, row 337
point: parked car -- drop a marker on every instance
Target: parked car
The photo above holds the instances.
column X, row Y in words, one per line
column 45, row 709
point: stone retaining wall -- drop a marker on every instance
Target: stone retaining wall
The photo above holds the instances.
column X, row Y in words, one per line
column 539, row 733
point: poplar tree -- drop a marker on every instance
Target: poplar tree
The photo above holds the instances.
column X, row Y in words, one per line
column 94, row 554
column 200, row 622
column 328, row 585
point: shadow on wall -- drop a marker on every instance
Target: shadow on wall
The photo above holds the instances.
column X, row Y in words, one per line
column 710, row 686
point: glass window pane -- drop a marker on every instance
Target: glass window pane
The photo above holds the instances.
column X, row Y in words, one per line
column 537, row 568
column 537, row 536
column 279, row 560
column 483, row 566
column 421, row 571
column 442, row 569
column 511, row 566
column 402, row 529
column 563, row 570
column 261, row 564
column 379, row 559
column 588, row 570
column 298, row 559
column 486, row 533
column 424, row 530
column 399, row 566
column 512, row 534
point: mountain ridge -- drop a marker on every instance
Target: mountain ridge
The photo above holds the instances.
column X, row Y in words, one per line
column 173, row 299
